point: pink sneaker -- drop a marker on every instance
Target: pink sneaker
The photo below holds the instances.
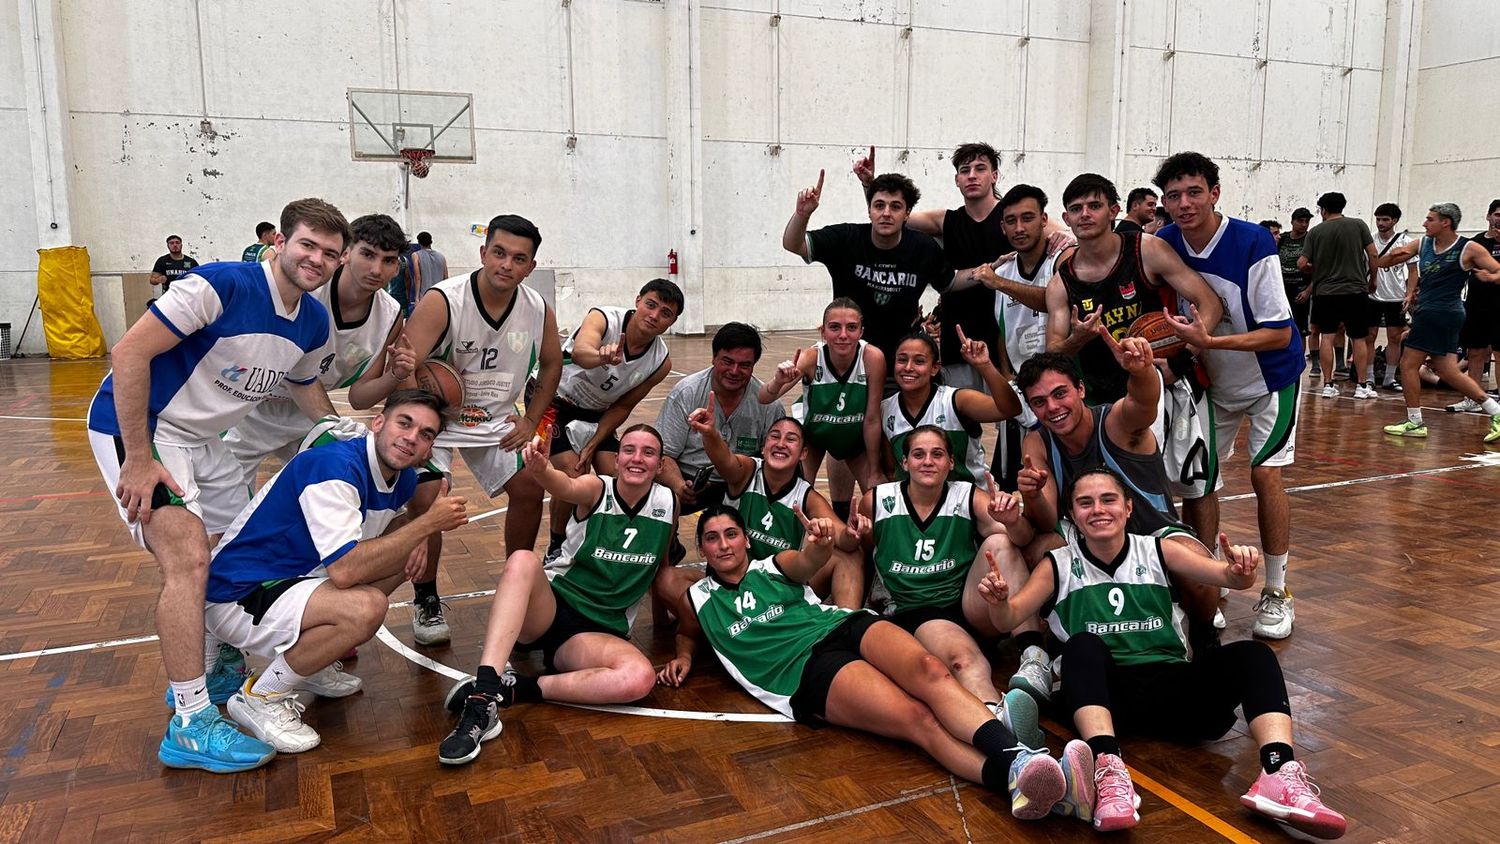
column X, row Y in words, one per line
column 1290, row 796
column 1115, row 803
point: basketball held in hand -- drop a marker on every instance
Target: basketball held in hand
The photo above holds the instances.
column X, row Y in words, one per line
column 441, row 379
column 1154, row 329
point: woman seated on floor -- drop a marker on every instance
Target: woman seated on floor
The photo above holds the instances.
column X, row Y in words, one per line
column 1107, row 596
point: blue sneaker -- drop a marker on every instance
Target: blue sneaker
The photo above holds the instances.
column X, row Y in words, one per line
column 228, row 675
column 1036, row 784
column 1019, row 715
column 205, row 740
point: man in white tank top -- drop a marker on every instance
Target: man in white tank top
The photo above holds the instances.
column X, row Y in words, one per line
column 612, row 360
column 370, row 356
column 501, row 337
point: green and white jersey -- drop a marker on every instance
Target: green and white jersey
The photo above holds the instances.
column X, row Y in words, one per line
column 602, row 386
column 832, row 407
column 963, row 434
column 764, row 629
column 924, row 563
column 494, row 357
column 1127, row 602
column 769, row 520
column 611, row 555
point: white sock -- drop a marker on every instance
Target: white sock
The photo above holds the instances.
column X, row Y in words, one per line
column 1491, row 406
column 210, row 654
column 1275, row 571
column 1390, row 376
column 1369, row 373
column 279, row 678
column 1414, row 415
column 191, row 697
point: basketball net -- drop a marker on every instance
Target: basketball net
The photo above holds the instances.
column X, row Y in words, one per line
column 416, row 160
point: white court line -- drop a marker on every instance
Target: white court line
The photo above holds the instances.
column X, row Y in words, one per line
column 488, row 592
column 847, row 813
column 1370, row 480
column 387, row 638
column 45, row 418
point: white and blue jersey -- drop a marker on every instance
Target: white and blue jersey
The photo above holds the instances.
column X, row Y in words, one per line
column 314, row 511
column 239, row 343
column 1242, row 266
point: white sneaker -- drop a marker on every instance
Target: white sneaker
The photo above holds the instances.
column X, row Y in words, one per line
column 1466, row 406
column 428, row 627
column 1274, row 614
column 1330, row 392
column 1364, row 391
column 332, row 681
column 1034, row 676
column 274, row 719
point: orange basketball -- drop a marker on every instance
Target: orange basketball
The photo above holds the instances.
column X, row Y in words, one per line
column 1154, row 329
column 440, row 378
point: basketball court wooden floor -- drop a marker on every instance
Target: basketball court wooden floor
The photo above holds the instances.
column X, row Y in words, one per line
column 1394, row 671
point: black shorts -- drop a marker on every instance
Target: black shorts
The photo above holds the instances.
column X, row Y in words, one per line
column 910, row 620
column 828, row 658
column 566, row 413
column 566, row 623
column 1481, row 328
column 1351, row 310
column 1300, row 310
column 1388, row 314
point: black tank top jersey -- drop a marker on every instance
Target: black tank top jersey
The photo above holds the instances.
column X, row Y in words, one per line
column 1145, row 475
column 1125, row 294
column 1483, row 298
column 968, row 244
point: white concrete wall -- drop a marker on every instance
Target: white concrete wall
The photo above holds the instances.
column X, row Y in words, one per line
column 1283, row 94
column 1264, row 86
column 1455, row 155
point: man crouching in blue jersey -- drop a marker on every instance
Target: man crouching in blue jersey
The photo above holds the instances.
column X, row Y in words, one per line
column 304, row 572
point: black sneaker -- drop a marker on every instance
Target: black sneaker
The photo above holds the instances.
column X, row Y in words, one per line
column 463, row 689
column 479, row 723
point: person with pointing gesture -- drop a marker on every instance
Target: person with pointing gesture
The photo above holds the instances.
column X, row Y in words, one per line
column 882, row 265
column 1125, row 660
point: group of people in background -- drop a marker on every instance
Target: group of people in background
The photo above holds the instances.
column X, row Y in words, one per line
column 1116, row 359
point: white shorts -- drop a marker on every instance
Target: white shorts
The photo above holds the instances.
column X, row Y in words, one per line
column 491, row 466
column 208, row 474
column 1273, row 426
column 263, row 629
column 1183, row 431
column 272, row 429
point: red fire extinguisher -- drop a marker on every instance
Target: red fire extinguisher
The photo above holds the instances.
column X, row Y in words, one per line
column 672, row 262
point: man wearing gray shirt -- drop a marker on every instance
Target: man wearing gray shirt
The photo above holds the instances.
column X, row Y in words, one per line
column 741, row 420
column 432, row 267
column 1338, row 255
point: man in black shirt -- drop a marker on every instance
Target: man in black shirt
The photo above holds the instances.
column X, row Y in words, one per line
column 1140, row 211
column 1480, row 336
column 172, row 265
column 971, row 236
column 882, row 264
column 1289, row 247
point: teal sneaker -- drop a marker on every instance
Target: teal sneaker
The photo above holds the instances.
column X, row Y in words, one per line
column 205, row 740
column 1019, row 715
column 228, row 675
column 1036, row 784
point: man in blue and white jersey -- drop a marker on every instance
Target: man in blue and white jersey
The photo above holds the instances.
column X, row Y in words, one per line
column 304, row 573
column 1254, row 359
column 369, row 354
column 220, row 341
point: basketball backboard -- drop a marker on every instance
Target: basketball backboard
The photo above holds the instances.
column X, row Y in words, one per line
column 384, row 122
